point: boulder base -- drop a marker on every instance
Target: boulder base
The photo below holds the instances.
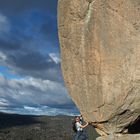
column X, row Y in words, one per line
column 124, row 137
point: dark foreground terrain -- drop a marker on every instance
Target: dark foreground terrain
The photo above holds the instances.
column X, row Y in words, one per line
column 23, row 127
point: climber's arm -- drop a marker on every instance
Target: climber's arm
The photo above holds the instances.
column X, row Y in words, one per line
column 83, row 126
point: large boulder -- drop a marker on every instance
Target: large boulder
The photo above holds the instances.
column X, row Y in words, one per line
column 100, row 49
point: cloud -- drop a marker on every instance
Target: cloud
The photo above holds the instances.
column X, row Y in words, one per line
column 45, row 110
column 32, row 63
column 3, row 57
column 3, row 103
column 34, row 96
column 55, row 57
column 49, row 111
column 18, row 6
column 4, row 24
column 5, row 45
column 30, row 75
column 49, row 29
column 26, row 49
column 33, row 28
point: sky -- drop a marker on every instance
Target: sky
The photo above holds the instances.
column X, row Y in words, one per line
column 30, row 75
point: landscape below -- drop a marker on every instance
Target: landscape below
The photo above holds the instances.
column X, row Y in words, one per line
column 27, row 127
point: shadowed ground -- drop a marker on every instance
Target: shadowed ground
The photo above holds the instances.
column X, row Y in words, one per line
column 23, row 127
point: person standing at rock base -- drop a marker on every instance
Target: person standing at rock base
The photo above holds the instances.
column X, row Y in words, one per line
column 79, row 127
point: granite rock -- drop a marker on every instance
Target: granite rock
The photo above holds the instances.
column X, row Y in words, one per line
column 124, row 137
column 100, row 51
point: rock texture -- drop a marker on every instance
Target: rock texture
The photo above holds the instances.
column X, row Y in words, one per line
column 124, row 137
column 100, row 47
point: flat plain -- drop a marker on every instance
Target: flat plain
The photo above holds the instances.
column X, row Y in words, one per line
column 27, row 127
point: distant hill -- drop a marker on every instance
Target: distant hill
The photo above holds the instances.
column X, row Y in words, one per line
column 26, row 127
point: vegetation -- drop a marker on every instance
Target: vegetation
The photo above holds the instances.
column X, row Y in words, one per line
column 23, row 127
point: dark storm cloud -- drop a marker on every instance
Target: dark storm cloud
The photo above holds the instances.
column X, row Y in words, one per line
column 49, row 29
column 30, row 18
column 68, row 105
column 32, row 63
column 27, row 45
column 18, row 6
column 8, row 46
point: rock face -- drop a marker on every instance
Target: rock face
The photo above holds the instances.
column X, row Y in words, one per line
column 124, row 137
column 100, row 47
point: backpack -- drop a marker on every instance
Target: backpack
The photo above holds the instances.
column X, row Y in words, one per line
column 74, row 126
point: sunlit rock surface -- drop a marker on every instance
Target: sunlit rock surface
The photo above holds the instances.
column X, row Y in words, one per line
column 124, row 137
column 100, row 49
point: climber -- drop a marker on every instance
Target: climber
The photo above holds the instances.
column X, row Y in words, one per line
column 74, row 123
column 79, row 129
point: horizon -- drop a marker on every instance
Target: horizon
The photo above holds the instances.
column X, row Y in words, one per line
column 67, row 115
column 31, row 81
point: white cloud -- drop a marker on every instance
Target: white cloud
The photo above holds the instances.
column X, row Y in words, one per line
column 35, row 96
column 32, row 109
column 45, row 110
column 48, row 111
column 3, row 57
column 3, row 102
column 4, row 24
column 55, row 57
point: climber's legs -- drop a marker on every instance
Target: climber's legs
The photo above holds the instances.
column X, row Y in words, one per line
column 78, row 135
